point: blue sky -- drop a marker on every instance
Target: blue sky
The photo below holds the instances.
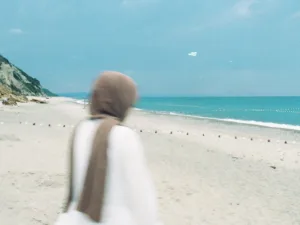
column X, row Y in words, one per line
column 178, row 47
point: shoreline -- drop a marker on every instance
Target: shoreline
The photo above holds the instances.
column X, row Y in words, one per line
column 221, row 126
column 271, row 125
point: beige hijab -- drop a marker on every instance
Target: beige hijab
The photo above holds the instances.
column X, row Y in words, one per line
column 112, row 96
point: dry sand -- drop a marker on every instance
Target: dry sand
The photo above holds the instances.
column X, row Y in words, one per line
column 212, row 179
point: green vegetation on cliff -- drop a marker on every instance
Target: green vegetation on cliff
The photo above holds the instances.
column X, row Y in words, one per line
column 19, row 82
column 49, row 93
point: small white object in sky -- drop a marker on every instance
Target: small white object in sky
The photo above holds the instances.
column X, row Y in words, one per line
column 15, row 31
column 193, row 54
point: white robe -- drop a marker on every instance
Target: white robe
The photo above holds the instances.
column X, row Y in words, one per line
column 130, row 197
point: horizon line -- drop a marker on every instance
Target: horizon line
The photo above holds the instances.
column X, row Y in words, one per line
column 191, row 96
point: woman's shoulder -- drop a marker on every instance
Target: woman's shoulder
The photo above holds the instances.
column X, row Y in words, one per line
column 125, row 140
column 123, row 134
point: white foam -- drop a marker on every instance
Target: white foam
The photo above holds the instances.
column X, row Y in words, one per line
column 246, row 122
column 78, row 101
column 82, row 102
column 263, row 124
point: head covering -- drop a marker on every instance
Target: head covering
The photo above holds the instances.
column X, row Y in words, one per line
column 112, row 96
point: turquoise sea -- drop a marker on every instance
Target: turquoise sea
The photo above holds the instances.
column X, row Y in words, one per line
column 281, row 112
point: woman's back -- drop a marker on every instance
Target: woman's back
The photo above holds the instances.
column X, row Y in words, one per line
column 129, row 192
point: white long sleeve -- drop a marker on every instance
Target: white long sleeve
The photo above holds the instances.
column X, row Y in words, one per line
column 130, row 197
column 139, row 187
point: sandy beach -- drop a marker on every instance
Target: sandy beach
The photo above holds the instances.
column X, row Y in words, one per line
column 206, row 172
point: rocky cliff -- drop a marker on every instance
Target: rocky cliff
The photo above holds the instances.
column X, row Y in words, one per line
column 18, row 82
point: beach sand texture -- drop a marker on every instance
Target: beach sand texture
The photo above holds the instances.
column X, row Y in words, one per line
column 206, row 173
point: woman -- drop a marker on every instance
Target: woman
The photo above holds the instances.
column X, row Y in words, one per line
column 109, row 181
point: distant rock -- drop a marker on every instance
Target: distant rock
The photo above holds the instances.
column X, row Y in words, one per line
column 38, row 101
column 9, row 98
column 9, row 101
column 18, row 83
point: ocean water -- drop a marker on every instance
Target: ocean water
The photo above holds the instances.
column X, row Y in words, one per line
column 281, row 112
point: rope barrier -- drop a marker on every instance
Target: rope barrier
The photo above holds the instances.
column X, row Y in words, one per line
column 141, row 131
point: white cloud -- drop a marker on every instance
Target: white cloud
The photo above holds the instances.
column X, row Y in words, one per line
column 296, row 15
column 15, row 31
column 243, row 8
column 194, row 54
